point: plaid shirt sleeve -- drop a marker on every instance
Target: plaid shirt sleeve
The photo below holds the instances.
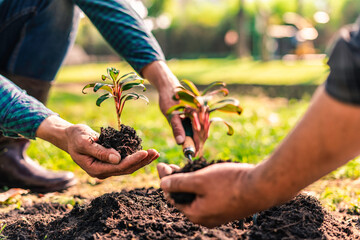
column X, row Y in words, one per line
column 343, row 82
column 124, row 30
column 20, row 114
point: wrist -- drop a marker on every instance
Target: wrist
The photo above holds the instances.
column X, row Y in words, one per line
column 254, row 191
column 52, row 129
column 271, row 185
column 160, row 76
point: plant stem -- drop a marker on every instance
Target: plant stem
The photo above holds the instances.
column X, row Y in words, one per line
column 119, row 123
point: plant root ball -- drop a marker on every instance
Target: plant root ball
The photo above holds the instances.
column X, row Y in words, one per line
column 125, row 141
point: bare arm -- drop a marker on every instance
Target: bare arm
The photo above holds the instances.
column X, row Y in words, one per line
column 324, row 139
column 160, row 76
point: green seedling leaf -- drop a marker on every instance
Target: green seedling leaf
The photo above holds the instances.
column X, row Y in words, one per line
column 192, row 87
column 134, row 96
column 113, row 73
column 203, row 100
column 222, row 90
column 230, row 128
column 103, row 98
column 143, row 97
column 229, row 108
column 129, row 77
column 227, row 105
column 128, row 86
column 104, row 77
column 90, row 85
column 103, row 86
column 186, row 97
column 128, row 74
column 211, row 85
column 175, row 108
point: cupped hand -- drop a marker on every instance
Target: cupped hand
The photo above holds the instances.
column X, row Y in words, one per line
column 99, row 161
column 223, row 192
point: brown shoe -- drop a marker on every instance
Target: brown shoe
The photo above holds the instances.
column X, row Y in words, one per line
column 20, row 171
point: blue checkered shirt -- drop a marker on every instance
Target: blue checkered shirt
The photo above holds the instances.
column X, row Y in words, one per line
column 124, row 30
column 20, row 114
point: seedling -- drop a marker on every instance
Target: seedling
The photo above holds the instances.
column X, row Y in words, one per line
column 117, row 88
column 198, row 106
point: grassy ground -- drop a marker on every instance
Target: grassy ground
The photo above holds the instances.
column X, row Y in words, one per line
column 204, row 71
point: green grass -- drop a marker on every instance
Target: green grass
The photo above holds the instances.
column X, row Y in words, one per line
column 204, row 71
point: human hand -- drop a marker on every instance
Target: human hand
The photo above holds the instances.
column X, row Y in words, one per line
column 79, row 141
column 99, row 161
column 159, row 75
column 223, row 192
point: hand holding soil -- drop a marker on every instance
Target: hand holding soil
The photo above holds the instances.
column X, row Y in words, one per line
column 80, row 142
column 102, row 162
column 222, row 192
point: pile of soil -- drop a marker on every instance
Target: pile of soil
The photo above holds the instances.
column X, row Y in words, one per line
column 125, row 141
column 145, row 214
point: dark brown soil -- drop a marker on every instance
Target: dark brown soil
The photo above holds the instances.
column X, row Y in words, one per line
column 197, row 164
column 125, row 141
column 145, row 214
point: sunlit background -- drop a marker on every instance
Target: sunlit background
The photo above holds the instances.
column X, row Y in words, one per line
column 259, row 29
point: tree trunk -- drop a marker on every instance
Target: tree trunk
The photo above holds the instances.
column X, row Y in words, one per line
column 242, row 48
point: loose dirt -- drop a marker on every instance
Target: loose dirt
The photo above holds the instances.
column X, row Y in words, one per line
column 125, row 141
column 145, row 214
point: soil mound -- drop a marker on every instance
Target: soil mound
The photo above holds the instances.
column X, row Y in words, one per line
column 125, row 141
column 145, row 214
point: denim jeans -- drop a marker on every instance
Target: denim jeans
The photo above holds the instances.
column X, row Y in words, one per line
column 35, row 36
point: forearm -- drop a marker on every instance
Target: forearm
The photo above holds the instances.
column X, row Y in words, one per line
column 160, row 76
column 124, row 29
column 326, row 138
column 20, row 114
column 53, row 130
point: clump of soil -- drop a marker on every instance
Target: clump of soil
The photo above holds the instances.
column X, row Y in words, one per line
column 197, row 164
column 125, row 141
column 145, row 214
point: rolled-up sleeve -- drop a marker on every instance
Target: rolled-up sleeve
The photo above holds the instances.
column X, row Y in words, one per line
column 124, row 30
column 343, row 82
column 20, row 114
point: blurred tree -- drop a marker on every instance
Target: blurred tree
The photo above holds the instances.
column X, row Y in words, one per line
column 91, row 40
column 198, row 27
column 155, row 7
column 242, row 47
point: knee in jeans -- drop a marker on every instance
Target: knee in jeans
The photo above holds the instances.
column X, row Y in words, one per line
column 61, row 14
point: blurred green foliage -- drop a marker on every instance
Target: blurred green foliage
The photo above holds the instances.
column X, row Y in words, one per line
column 198, row 27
